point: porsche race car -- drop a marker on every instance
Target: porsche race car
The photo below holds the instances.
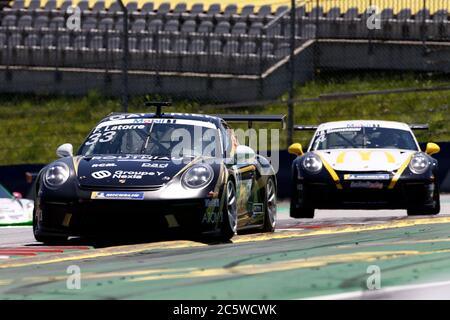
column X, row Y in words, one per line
column 364, row 165
column 146, row 173
column 14, row 210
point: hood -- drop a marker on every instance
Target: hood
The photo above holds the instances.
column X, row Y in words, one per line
column 9, row 206
column 127, row 171
column 365, row 159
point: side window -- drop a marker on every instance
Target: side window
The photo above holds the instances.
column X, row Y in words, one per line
column 228, row 139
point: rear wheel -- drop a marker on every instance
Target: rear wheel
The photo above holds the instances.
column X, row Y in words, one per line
column 229, row 222
column 270, row 213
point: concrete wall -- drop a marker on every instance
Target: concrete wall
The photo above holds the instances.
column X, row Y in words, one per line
column 13, row 177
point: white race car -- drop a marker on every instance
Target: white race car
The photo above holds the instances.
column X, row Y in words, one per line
column 364, row 165
column 13, row 209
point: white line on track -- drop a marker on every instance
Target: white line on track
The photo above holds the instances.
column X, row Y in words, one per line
column 370, row 294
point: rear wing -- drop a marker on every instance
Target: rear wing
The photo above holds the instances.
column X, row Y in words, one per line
column 254, row 118
column 302, row 127
column 419, row 126
column 305, row 127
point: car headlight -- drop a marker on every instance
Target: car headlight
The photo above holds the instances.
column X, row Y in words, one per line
column 419, row 163
column 56, row 175
column 198, row 176
column 312, row 163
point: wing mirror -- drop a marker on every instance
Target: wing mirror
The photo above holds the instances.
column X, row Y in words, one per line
column 244, row 154
column 17, row 195
column 65, row 150
column 432, row 148
column 296, row 149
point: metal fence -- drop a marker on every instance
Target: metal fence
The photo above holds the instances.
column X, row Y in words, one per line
column 215, row 54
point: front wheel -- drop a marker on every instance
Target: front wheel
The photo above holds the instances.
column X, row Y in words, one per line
column 299, row 208
column 428, row 211
column 48, row 240
column 228, row 227
column 270, row 213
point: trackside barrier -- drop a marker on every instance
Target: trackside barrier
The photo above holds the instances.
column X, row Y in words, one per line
column 13, row 176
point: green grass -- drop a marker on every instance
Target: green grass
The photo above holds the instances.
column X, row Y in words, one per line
column 31, row 127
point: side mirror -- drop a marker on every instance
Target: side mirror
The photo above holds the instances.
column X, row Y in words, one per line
column 17, row 195
column 65, row 150
column 244, row 154
column 296, row 149
column 432, row 148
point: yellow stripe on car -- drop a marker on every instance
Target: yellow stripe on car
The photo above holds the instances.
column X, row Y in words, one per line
column 331, row 171
column 399, row 173
column 365, row 156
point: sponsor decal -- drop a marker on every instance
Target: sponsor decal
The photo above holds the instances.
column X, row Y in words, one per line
column 366, row 185
column 145, row 121
column 103, row 174
column 155, row 165
column 119, row 174
column 103, row 165
column 124, row 127
column 343, row 130
column 363, row 125
column 366, row 177
column 132, row 158
column 117, row 195
column 212, row 217
column 258, row 208
column 212, row 203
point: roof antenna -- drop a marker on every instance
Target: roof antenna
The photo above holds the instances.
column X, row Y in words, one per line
column 158, row 105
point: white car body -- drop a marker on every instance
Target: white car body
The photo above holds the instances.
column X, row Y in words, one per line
column 13, row 210
column 362, row 160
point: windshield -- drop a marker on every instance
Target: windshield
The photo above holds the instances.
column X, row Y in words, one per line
column 4, row 193
column 156, row 137
column 364, row 137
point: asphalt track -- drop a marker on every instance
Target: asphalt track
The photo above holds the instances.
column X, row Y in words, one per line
column 329, row 257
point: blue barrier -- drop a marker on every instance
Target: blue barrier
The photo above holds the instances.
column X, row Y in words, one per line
column 13, row 177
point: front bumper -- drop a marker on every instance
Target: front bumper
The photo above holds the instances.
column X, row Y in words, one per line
column 97, row 217
column 405, row 194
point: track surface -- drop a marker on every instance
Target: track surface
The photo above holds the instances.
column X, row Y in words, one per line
column 327, row 257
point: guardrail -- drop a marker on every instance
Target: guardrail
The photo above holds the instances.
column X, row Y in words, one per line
column 13, row 177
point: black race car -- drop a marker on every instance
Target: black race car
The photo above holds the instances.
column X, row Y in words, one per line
column 144, row 173
column 364, row 165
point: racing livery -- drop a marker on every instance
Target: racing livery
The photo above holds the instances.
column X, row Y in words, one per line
column 13, row 209
column 143, row 173
column 364, row 165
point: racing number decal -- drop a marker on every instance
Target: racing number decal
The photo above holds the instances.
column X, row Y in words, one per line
column 101, row 137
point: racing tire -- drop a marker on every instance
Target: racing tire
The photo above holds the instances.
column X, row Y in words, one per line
column 49, row 240
column 270, row 201
column 296, row 211
column 228, row 226
column 428, row 211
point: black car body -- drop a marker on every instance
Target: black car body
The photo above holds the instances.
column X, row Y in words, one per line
column 125, row 179
column 364, row 165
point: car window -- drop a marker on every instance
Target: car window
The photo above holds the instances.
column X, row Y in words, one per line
column 4, row 193
column 364, row 137
column 174, row 139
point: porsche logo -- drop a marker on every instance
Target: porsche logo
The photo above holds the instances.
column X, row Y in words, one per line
column 365, row 155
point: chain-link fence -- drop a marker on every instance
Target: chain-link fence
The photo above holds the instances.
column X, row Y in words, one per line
column 242, row 56
column 173, row 42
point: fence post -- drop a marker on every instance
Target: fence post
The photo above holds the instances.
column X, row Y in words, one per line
column 125, row 91
column 290, row 128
